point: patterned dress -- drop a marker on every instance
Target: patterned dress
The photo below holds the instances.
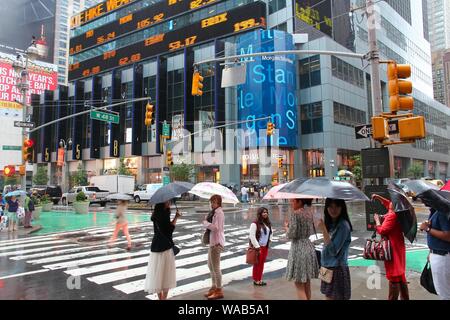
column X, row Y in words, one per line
column 302, row 261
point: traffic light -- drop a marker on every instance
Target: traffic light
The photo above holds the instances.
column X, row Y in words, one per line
column 27, row 150
column 270, row 128
column 197, row 84
column 9, row 171
column 22, row 170
column 398, row 89
column 280, row 162
column 169, row 159
column 148, row 114
column 412, row 128
column 380, row 128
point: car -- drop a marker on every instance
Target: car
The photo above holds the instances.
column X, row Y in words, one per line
column 145, row 192
column 54, row 192
column 93, row 194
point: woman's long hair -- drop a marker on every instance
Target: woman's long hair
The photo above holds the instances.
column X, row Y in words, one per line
column 260, row 222
column 160, row 211
column 344, row 213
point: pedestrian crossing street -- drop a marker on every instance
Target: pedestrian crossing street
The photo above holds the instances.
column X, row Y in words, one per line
column 85, row 254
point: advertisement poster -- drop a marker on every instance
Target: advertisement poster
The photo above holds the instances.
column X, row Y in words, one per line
column 42, row 76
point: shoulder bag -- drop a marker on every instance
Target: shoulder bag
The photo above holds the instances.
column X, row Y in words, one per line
column 426, row 279
column 252, row 255
column 205, row 236
column 377, row 249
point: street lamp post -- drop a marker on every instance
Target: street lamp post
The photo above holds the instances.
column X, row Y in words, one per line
column 21, row 67
column 65, row 168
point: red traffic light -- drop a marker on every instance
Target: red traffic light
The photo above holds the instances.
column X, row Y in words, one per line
column 9, row 171
column 28, row 143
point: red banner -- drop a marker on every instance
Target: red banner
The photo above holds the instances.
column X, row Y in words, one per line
column 42, row 76
column 60, row 162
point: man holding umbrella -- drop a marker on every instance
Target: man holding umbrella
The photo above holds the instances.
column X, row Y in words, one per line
column 437, row 228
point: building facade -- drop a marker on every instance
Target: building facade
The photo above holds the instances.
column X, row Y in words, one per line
column 114, row 60
column 439, row 29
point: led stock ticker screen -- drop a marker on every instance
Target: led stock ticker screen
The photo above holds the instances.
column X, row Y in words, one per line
column 230, row 22
column 142, row 19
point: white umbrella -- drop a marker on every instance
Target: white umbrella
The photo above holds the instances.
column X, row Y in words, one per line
column 208, row 189
column 275, row 194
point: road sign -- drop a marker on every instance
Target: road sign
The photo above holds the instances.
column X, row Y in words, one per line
column 10, row 148
column 105, row 116
column 166, row 180
column 365, row 131
column 166, row 130
column 23, row 124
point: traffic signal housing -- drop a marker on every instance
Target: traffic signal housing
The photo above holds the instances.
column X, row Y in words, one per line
column 270, row 128
column 380, row 128
column 398, row 89
column 197, row 84
column 27, row 150
column 148, row 114
column 9, row 171
column 169, row 159
column 280, row 162
column 412, row 128
column 22, row 170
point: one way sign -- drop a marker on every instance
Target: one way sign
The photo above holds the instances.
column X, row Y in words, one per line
column 365, row 131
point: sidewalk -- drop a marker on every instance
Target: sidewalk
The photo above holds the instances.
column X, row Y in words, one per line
column 281, row 289
column 21, row 232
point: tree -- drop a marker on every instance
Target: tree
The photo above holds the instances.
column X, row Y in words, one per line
column 41, row 177
column 80, row 177
column 182, row 172
column 123, row 170
column 415, row 171
column 357, row 170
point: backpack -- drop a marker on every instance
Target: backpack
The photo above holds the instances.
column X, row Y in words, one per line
column 31, row 205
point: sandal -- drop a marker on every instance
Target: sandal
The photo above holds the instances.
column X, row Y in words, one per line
column 259, row 284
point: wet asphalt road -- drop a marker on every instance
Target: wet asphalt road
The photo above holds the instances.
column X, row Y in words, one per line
column 39, row 267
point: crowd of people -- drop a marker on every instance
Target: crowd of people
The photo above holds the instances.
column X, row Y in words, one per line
column 13, row 211
column 305, row 263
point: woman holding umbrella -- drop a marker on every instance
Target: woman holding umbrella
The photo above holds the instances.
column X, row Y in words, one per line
column 302, row 263
column 214, row 224
column 11, row 208
column 336, row 231
column 161, row 271
column 395, row 268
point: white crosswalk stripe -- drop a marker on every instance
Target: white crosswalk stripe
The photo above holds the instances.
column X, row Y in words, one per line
column 126, row 271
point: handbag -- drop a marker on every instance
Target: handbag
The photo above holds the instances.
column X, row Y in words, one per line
column 326, row 275
column 205, row 237
column 377, row 249
column 426, row 279
column 252, row 256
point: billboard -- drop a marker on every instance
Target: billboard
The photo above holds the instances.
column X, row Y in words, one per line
column 270, row 88
column 42, row 76
column 316, row 13
column 22, row 19
column 234, row 21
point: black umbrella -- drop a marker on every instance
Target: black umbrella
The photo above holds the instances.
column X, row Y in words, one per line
column 325, row 188
column 431, row 196
column 405, row 212
column 170, row 191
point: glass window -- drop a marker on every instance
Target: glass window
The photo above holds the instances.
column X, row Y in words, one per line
column 311, row 116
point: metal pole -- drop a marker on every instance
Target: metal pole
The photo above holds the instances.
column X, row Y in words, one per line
column 24, row 87
column 374, row 58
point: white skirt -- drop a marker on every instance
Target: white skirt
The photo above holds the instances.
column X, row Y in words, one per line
column 161, row 272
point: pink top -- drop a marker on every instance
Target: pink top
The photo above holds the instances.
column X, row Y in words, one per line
column 217, row 234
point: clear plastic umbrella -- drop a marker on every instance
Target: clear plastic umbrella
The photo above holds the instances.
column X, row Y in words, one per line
column 207, row 189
